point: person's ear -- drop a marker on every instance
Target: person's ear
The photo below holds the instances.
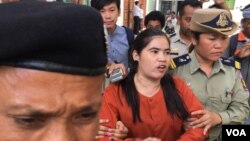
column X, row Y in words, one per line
column 178, row 19
column 243, row 23
column 135, row 56
column 194, row 41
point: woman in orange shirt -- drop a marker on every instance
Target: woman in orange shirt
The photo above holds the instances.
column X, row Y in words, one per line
column 149, row 101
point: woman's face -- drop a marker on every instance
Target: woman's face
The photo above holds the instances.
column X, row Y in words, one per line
column 210, row 46
column 154, row 59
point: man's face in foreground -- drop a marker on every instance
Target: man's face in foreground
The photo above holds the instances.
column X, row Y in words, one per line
column 46, row 106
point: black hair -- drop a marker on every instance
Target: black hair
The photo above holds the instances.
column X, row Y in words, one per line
column 99, row 4
column 196, row 36
column 136, row 2
column 155, row 16
column 172, row 12
column 195, row 4
column 173, row 101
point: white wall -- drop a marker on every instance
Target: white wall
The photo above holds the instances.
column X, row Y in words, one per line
column 120, row 19
column 237, row 14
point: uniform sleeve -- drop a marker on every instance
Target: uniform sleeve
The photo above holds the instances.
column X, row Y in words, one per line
column 192, row 104
column 238, row 110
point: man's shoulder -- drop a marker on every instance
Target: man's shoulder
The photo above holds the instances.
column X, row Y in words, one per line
column 127, row 29
column 130, row 35
column 175, row 37
column 123, row 30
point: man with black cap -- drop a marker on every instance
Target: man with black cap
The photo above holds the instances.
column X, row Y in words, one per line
column 52, row 64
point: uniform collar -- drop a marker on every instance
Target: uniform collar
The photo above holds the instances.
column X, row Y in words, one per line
column 118, row 30
column 195, row 66
column 177, row 38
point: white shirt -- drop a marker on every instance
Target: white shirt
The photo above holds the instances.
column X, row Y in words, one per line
column 137, row 11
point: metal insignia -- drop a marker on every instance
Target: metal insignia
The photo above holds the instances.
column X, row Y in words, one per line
column 222, row 20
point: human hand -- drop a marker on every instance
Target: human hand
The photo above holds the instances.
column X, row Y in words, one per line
column 244, row 51
column 219, row 2
column 207, row 120
column 187, row 124
column 114, row 66
column 152, row 139
column 119, row 132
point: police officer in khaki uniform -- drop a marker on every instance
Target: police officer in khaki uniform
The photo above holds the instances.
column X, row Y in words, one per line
column 216, row 81
column 181, row 42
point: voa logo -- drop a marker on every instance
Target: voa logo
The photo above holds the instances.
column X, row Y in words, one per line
column 236, row 132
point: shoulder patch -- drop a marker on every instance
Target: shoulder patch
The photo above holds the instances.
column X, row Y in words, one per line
column 230, row 62
column 179, row 61
column 174, row 51
column 242, row 81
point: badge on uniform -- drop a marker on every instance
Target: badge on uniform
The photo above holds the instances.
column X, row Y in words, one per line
column 229, row 92
column 237, row 65
column 178, row 61
column 174, row 51
column 222, row 22
column 243, row 82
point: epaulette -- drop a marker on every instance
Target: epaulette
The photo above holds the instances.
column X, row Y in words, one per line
column 230, row 62
column 172, row 35
column 167, row 35
column 179, row 61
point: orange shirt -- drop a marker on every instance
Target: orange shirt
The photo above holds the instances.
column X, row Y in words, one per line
column 156, row 121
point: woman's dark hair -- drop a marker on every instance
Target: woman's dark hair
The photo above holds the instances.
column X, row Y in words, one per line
column 155, row 16
column 172, row 98
column 99, row 4
column 196, row 36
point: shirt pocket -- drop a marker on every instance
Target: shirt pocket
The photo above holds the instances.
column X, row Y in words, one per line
column 220, row 103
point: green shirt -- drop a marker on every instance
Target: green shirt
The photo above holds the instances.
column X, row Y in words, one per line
column 222, row 92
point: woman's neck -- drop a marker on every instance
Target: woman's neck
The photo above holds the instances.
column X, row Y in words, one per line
column 205, row 65
column 146, row 86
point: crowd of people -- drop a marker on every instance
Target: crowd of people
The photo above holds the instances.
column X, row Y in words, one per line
column 182, row 86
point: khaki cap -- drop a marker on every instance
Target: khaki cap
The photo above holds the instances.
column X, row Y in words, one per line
column 213, row 20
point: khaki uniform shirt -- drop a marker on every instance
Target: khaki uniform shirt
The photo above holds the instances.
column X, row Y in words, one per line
column 178, row 46
column 222, row 92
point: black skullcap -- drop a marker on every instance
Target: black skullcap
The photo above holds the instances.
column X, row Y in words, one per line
column 52, row 36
